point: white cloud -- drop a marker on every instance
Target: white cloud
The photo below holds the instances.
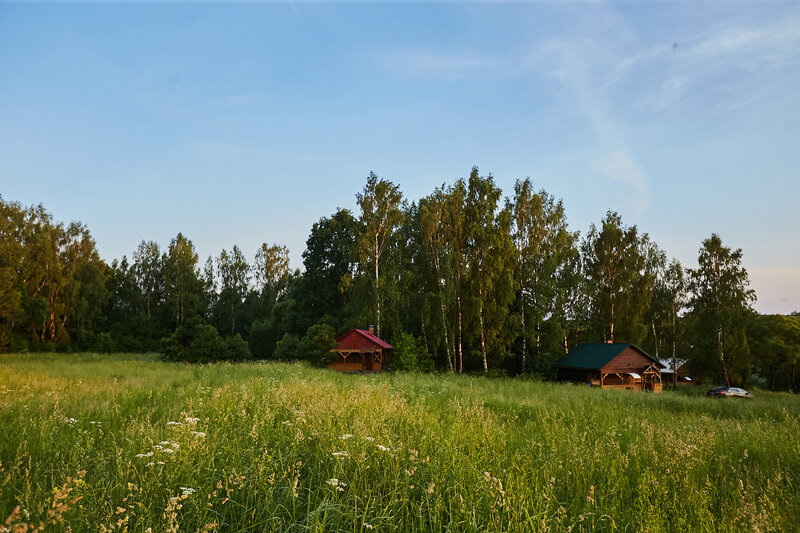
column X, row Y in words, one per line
column 621, row 168
column 420, row 62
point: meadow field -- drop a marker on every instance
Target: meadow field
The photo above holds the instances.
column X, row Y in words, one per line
column 129, row 443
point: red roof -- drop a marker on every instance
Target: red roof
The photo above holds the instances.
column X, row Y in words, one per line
column 368, row 336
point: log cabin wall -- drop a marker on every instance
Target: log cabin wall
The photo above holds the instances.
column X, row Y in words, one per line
column 628, row 360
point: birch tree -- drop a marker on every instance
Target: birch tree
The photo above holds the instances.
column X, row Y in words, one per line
column 381, row 214
column 488, row 246
column 456, row 237
column 545, row 254
column 182, row 284
column 233, row 273
column 720, row 302
column 432, row 213
column 615, row 262
column 271, row 271
column 147, row 270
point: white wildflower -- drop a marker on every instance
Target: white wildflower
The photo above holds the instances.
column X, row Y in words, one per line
column 371, row 439
column 198, row 434
column 173, row 423
column 340, row 454
column 335, row 483
column 382, row 448
column 148, row 454
column 187, row 491
column 191, row 420
column 71, row 421
column 346, row 436
column 368, row 525
column 158, row 447
column 168, row 450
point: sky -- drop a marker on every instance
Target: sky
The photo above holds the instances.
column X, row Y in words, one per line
column 244, row 123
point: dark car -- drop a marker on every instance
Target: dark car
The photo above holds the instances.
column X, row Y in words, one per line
column 721, row 392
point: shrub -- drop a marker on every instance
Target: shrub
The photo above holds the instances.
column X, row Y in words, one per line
column 318, row 342
column 236, row 348
column 206, row 344
column 315, row 346
column 104, row 343
column 260, row 339
column 288, row 348
column 194, row 343
column 410, row 354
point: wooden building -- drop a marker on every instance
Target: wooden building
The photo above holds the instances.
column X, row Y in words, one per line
column 611, row 366
column 682, row 378
column 360, row 350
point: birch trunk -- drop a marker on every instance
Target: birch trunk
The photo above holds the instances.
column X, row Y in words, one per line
column 460, row 353
column 450, row 360
column 483, row 336
column 524, row 332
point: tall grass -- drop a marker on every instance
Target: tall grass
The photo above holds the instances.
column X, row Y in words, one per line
column 279, row 447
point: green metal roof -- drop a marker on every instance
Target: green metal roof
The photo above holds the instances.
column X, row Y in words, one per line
column 594, row 356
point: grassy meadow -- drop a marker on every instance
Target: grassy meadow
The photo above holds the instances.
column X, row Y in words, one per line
column 130, row 443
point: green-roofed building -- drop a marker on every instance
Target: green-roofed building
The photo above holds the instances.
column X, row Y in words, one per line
column 611, row 365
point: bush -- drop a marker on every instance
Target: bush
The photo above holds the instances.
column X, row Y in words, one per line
column 260, row 339
column 315, row 346
column 104, row 343
column 206, row 345
column 236, row 348
column 410, row 354
column 290, row 347
column 194, row 343
column 318, row 342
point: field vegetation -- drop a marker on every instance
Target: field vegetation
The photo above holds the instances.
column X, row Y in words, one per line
column 132, row 443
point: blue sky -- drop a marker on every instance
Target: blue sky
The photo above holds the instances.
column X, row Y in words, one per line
column 244, row 123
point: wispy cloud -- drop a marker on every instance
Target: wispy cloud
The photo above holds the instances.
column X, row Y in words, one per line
column 621, row 168
column 581, row 67
column 420, row 62
column 609, row 77
column 734, row 59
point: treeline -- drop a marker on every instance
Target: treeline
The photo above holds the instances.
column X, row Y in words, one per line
column 464, row 279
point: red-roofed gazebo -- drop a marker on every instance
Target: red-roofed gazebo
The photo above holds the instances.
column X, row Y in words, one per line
column 360, row 350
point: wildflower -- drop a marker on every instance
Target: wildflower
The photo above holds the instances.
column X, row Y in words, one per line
column 667, row 470
column 346, row 436
column 335, row 483
column 340, row 454
column 368, row 525
column 430, row 488
column 148, row 454
column 371, row 439
column 71, row 421
column 383, row 448
column 191, row 420
column 187, row 491
column 173, row 423
column 198, row 434
column 168, row 450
